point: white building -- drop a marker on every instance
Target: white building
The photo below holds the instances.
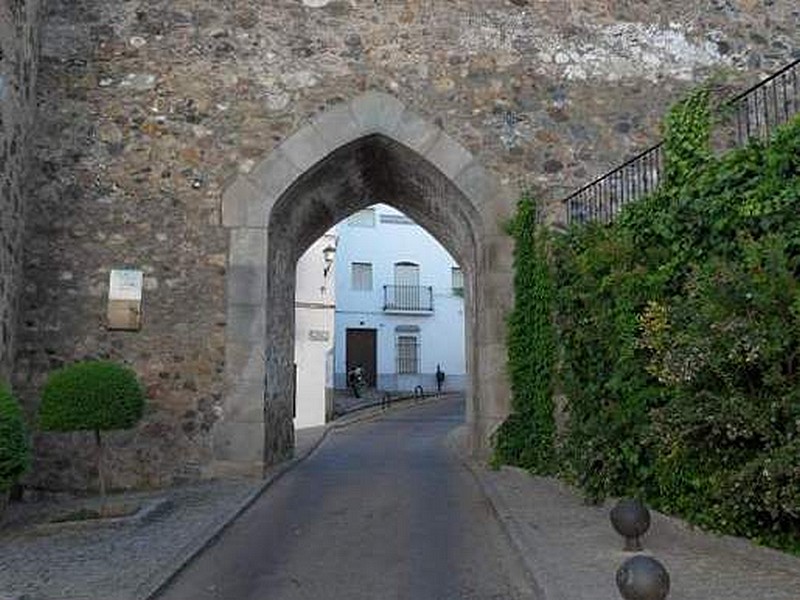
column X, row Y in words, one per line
column 399, row 304
column 314, row 333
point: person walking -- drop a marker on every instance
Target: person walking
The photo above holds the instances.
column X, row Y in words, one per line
column 439, row 379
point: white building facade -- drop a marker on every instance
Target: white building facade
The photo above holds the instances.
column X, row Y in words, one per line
column 315, row 297
column 399, row 304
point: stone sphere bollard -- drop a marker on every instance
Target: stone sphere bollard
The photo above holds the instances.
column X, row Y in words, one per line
column 643, row 578
column 630, row 519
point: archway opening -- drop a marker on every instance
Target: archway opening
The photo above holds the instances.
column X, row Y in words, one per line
column 371, row 169
column 379, row 317
column 369, row 150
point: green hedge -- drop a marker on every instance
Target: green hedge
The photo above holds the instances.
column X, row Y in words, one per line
column 678, row 331
column 91, row 396
column 14, row 447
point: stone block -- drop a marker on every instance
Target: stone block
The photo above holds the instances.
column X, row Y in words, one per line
column 247, row 285
column 244, row 360
column 305, row 148
column 246, row 323
column 478, row 185
column 239, row 442
column 273, row 176
column 416, row 133
column 337, row 127
column 244, row 403
column 448, row 156
column 248, row 247
column 377, row 112
column 243, row 205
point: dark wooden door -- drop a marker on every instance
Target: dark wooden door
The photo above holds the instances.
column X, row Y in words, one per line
column 361, row 349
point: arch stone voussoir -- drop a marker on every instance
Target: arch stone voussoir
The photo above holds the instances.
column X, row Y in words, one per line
column 337, row 126
column 448, row 156
column 272, row 177
column 377, row 112
column 478, row 185
column 416, row 133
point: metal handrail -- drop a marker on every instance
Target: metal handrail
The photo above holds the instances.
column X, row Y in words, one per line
column 759, row 110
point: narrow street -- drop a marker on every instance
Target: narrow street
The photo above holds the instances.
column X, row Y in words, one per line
column 382, row 509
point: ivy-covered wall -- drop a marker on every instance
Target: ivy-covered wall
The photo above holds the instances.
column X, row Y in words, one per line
column 678, row 340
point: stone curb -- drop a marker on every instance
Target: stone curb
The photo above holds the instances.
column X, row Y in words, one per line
column 150, row 589
column 147, row 511
column 544, row 587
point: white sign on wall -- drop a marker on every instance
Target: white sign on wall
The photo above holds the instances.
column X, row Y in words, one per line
column 125, row 284
column 125, row 299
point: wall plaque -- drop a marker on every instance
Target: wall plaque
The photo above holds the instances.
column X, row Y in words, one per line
column 125, row 299
column 319, row 335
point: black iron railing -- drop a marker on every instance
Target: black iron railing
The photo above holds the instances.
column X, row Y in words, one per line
column 768, row 104
column 602, row 199
column 757, row 112
column 410, row 298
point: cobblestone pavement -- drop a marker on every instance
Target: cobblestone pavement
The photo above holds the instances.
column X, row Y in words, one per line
column 112, row 562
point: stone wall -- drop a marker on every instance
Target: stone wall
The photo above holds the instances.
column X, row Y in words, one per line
column 19, row 43
column 150, row 108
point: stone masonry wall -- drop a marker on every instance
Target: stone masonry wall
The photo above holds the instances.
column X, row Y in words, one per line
column 19, row 42
column 149, row 107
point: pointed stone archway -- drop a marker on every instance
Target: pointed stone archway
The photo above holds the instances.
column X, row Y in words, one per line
column 369, row 150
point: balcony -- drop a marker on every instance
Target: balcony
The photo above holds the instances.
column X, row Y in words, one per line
column 408, row 299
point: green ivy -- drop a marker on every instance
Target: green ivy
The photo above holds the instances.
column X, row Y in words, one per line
column 687, row 136
column 526, row 439
column 14, row 447
column 677, row 337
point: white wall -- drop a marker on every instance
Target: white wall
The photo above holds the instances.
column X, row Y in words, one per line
column 314, row 319
column 441, row 335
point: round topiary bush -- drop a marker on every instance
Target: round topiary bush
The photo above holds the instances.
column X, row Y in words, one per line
column 14, row 447
column 91, row 396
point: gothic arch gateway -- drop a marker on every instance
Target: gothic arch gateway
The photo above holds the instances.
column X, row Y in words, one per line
column 369, row 150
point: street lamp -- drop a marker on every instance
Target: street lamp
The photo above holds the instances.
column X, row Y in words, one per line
column 328, row 254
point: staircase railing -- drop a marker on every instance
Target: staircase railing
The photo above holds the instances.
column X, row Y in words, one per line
column 757, row 112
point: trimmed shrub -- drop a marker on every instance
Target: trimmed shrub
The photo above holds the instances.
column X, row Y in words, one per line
column 14, row 446
column 92, row 396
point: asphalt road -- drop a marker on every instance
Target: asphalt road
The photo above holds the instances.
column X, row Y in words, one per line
column 381, row 510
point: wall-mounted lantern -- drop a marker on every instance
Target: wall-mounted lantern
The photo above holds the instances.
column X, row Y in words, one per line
column 328, row 255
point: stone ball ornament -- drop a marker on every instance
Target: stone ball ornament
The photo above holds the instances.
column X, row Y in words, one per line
column 630, row 519
column 643, row 578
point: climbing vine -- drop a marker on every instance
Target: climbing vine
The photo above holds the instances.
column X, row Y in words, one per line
column 678, row 339
column 526, row 439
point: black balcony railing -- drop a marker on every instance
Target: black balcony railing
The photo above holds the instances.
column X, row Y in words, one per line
column 756, row 112
column 410, row 298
